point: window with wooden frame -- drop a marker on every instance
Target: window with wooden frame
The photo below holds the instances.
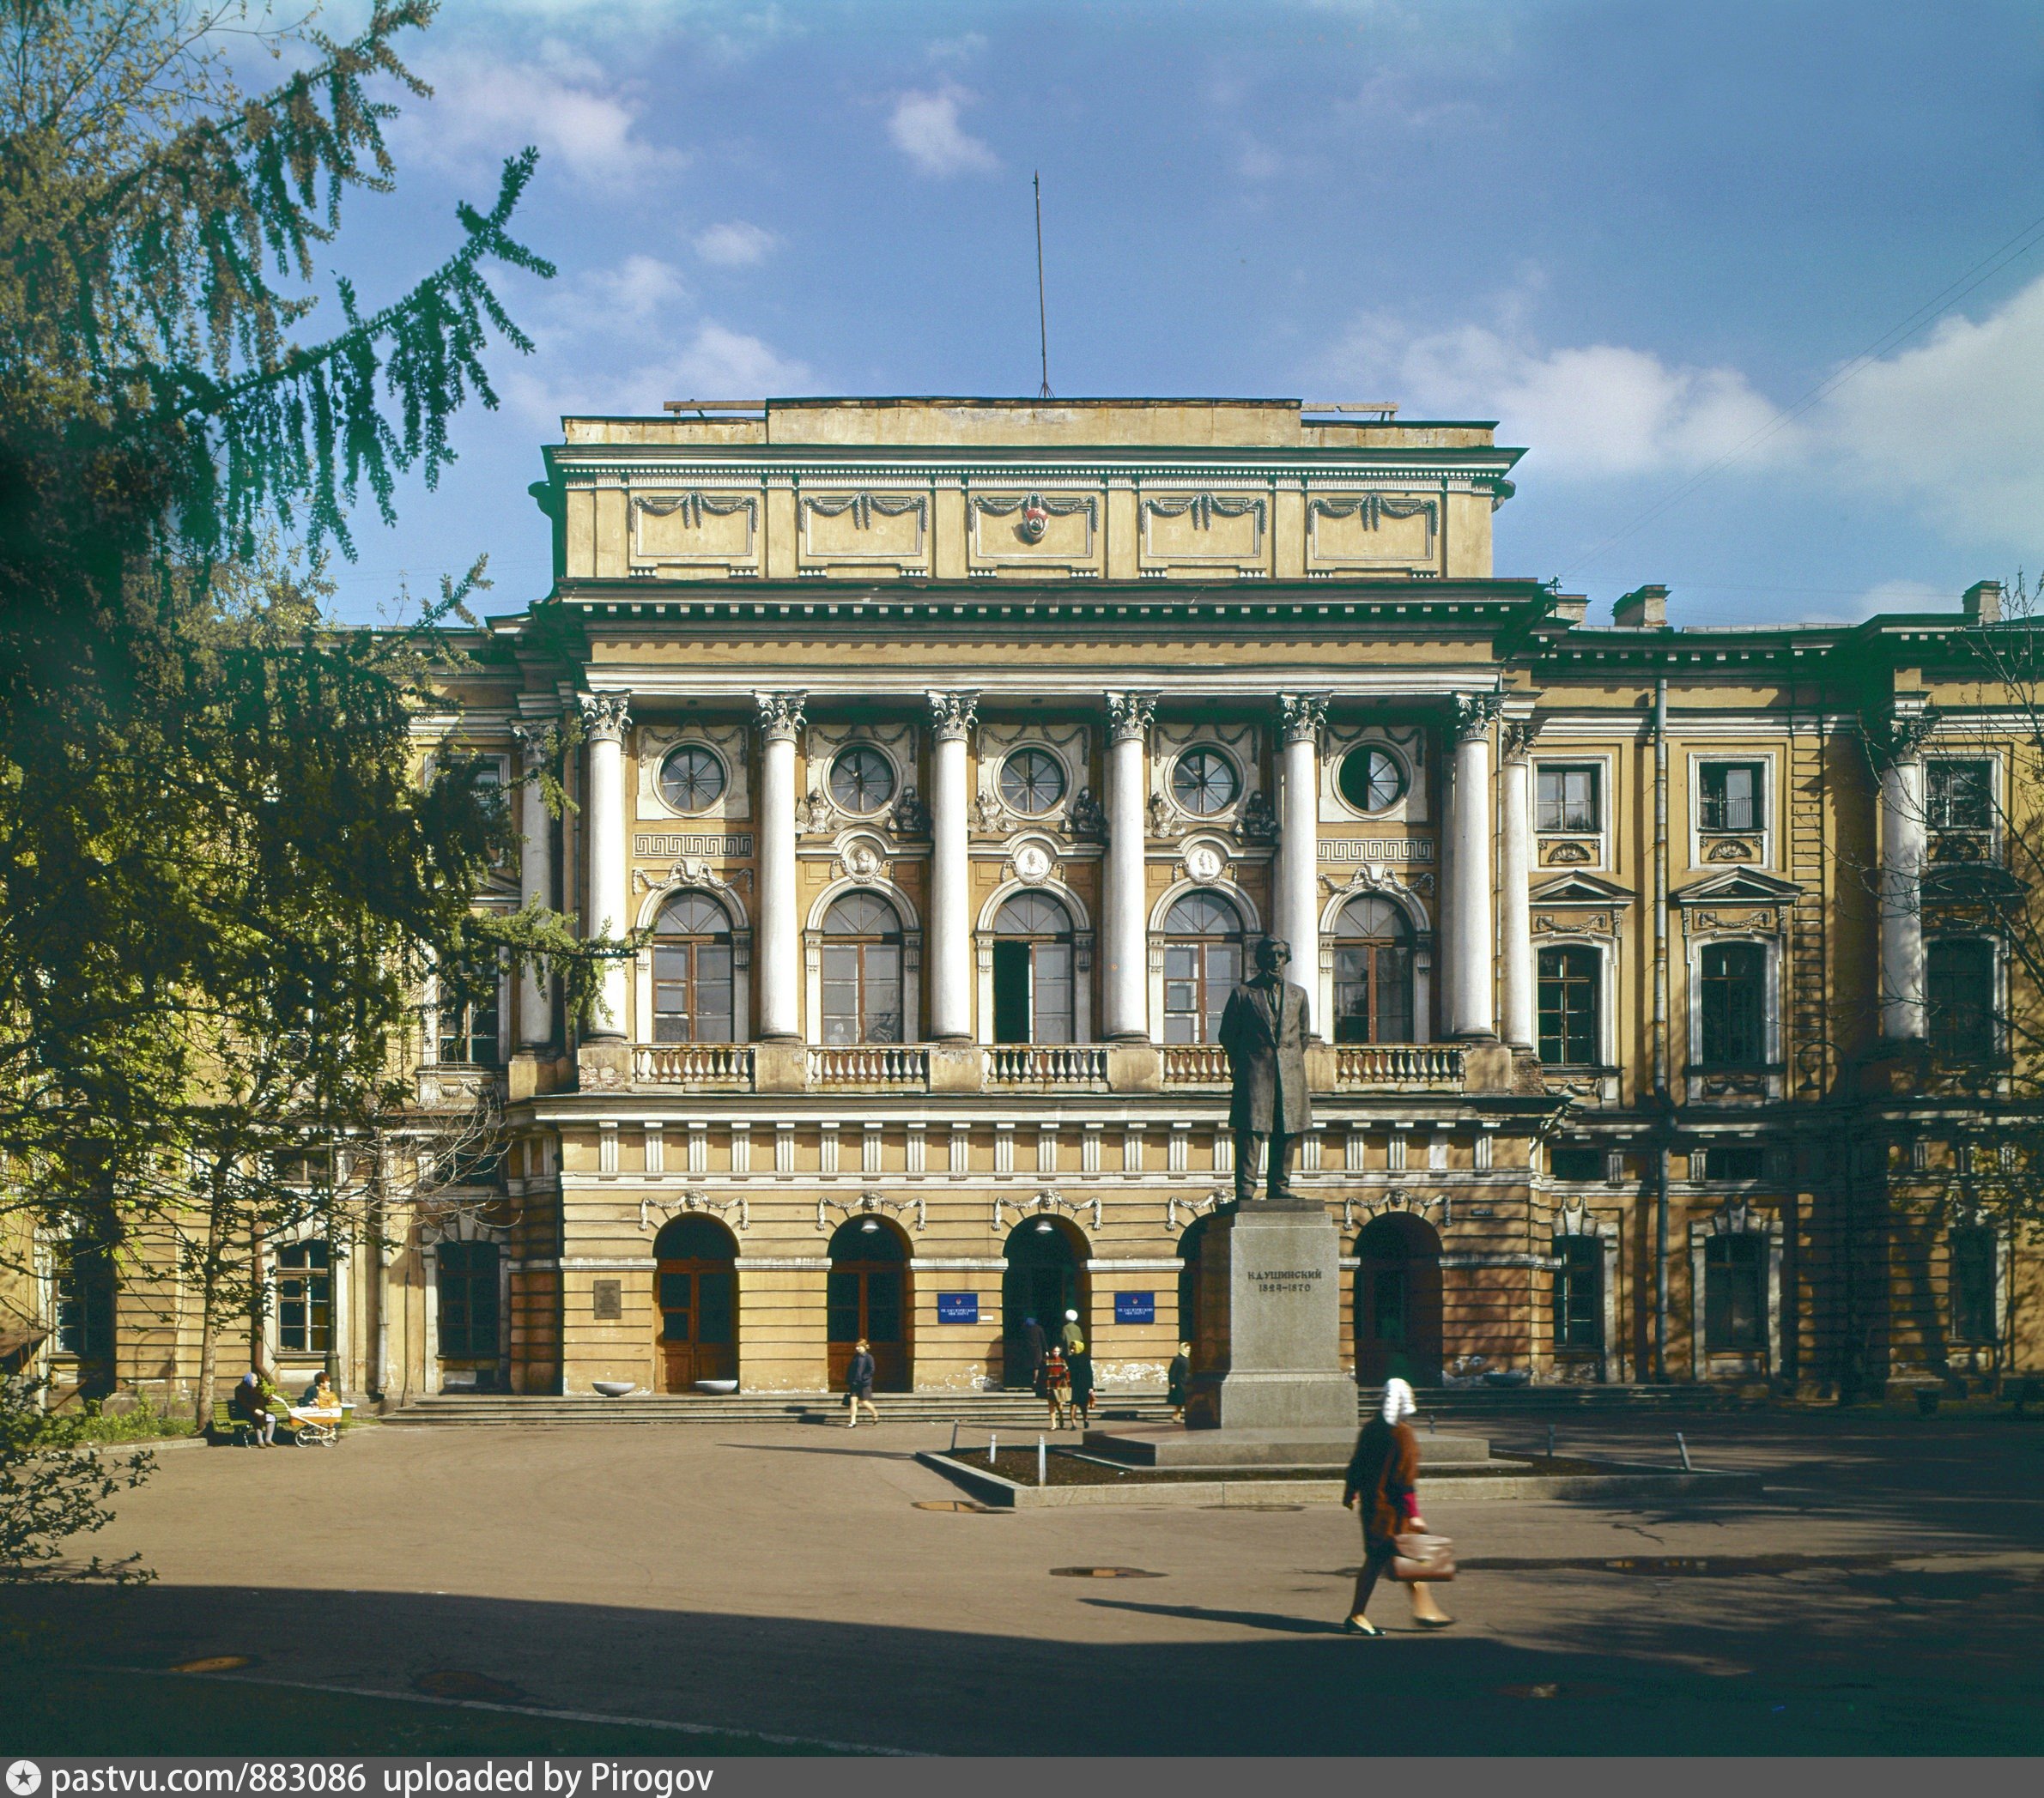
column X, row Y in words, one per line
column 693, row 985
column 1568, row 982
column 1033, row 993
column 1730, row 797
column 1734, row 1293
column 1203, row 964
column 1372, row 973
column 1567, row 799
column 467, row 1277
column 305, row 1298
column 1731, row 1005
column 862, row 971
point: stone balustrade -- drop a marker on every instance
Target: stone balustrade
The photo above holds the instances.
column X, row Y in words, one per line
column 1195, row 1064
column 693, row 1064
column 870, row 1065
column 1048, row 1064
column 1404, row 1065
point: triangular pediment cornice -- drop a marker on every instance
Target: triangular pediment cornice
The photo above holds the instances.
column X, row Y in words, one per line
column 1579, row 889
column 1741, row 886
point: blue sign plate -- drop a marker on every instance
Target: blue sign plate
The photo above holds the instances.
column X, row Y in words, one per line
column 1134, row 1307
column 957, row 1307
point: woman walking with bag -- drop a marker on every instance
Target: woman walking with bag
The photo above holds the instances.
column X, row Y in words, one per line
column 858, row 1384
column 1382, row 1473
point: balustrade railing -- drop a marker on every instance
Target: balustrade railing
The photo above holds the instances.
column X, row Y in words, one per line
column 693, row 1064
column 1047, row 1064
column 1397, row 1064
column 1195, row 1064
column 869, row 1066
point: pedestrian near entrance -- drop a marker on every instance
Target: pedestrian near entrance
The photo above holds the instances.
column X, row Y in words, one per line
column 1071, row 1336
column 1080, row 1363
column 1033, row 1347
column 1382, row 1485
column 1056, row 1387
column 858, row 1383
column 1175, row 1378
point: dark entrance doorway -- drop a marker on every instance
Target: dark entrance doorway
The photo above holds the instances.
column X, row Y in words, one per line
column 696, row 1288
column 1397, row 1300
column 1189, row 1245
column 868, row 1299
column 1045, row 1278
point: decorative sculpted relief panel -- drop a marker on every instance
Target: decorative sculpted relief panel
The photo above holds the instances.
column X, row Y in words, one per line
column 1371, row 531
column 696, row 529
column 1036, row 530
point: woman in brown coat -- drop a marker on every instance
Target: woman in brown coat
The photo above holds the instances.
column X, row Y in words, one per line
column 1382, row 1474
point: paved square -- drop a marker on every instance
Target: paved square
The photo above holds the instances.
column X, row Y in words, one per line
column 783, row 1578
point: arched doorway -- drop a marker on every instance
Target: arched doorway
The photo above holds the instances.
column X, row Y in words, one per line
column 1397, row 1300
column 1045, row 1278
column 868, row 1298
column 1189, row 1245
column 696, row 1288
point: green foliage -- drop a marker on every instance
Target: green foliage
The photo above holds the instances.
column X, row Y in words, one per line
column 141, row 1422
column 54, row 1485
column 223, row 879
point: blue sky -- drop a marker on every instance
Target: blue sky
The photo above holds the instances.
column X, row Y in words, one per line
column 1638, row 234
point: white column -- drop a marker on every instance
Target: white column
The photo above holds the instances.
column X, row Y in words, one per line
column 1902, row 875
column 779, row 940
column 604, row 721
column 536, row 1000
column 1297, row 903
column 1470, row 1011
column 1124, row 946
column 950, row 894
column 1514, row 884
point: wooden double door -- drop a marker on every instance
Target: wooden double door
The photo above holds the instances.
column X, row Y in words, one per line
column 699, row 1321
column 868, row 1302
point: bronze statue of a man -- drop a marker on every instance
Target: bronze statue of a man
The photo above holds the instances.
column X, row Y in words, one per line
column 1263, row 1032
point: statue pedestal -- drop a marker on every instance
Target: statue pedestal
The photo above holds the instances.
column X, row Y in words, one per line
column 1268, row 1355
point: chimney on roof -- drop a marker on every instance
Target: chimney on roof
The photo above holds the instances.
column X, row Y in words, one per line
column 1644, row 608
column 1982, row 603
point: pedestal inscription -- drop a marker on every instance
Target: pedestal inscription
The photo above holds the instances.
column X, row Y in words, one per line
column 1269, row 1296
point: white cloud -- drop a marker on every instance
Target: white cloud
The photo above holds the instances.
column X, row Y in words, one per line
column 641, row 291
column 1958, row 422
column 484, row 108
column 1952, row 428
column 724, row 364
column 924, row 128
column 735, row 245
column 1596, row 411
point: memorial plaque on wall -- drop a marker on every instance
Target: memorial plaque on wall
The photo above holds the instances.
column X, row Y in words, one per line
column 957, row 1307
column 610, row 1300
column 1134, row 1307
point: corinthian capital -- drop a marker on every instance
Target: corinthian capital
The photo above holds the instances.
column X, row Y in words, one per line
column 1303, row 714
column 532, row 735
column 1473, row 714
column 1129, row 715
column 780, row 715
column 1519, row 734
column 1900, row 736
column 604, row 716
column 951, row 715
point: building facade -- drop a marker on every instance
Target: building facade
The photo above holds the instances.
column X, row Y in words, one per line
column 955, row 755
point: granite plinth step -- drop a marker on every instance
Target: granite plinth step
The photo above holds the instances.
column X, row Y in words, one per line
column 1170, row 1447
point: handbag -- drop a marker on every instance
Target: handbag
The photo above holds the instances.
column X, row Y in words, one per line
column 1422, row 1558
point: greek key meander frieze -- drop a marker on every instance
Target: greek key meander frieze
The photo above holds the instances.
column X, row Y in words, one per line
column 649, row 847
column 1376, row 849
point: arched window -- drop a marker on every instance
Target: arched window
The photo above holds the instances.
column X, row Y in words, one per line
column 1203, row 963
column 692, row 971
column 862, row 971
column 1033, row 993
column 1372, row 973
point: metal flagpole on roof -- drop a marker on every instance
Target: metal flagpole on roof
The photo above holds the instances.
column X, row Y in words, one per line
column 1043, row 327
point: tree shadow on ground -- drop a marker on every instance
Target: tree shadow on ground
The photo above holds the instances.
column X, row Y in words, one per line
column 1906, row 1663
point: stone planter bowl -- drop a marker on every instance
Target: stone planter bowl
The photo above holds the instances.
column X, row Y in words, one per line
column 716, row 1386
column 615, row 1388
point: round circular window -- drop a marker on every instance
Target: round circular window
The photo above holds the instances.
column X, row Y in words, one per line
column 692, row 777
column 1371, row 779
column 862, row 779
column 1032, row 781
column 1204, row 782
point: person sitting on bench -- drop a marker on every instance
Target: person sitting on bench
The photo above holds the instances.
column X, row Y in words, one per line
column 250, row 1403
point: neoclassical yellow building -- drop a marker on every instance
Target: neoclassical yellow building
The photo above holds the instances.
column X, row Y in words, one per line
column 957, row 752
